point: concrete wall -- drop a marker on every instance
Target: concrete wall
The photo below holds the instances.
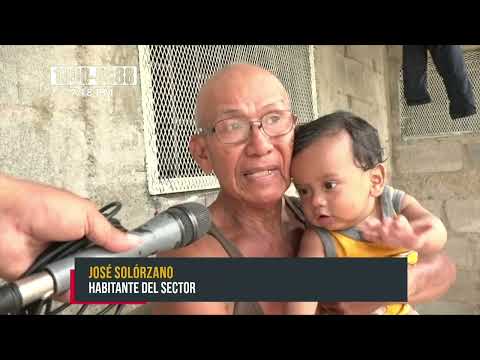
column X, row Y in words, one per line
column 443, row 174
column 353, row 78
column 90, row 145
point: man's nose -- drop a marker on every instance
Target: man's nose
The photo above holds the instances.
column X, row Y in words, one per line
column 258, row 142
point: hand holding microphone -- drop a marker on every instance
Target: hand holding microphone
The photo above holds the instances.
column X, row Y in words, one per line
column 32, row 215
column 176, row 227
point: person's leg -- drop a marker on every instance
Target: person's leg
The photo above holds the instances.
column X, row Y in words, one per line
column 450, row 64
column 415, row 75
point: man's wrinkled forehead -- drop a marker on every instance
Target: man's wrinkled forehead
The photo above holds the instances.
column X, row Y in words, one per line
column 240, row 90
column 241, row 108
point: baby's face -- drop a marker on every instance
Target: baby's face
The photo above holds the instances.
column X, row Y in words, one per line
column 334, row 191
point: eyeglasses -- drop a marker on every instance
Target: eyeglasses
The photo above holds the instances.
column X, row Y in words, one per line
column 237, row 130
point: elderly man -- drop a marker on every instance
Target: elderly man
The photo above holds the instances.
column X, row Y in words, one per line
column 246, row 138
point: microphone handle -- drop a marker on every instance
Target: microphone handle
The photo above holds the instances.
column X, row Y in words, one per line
column 10, row 299
column 158, row 234
column 16, row 295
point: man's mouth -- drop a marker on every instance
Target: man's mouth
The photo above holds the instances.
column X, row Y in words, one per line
column 259, row 172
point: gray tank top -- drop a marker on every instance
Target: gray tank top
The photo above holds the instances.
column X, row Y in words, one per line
column 245, row 307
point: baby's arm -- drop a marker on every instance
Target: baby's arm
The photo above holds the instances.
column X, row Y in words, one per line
column 414, row 228
column 310, row 246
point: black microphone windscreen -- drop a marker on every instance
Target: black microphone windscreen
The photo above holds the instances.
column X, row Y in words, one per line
column 196, row 220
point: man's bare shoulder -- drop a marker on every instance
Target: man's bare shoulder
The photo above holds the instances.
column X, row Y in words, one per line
column 207, row 246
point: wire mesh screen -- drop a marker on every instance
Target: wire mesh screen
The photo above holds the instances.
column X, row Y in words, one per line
column 171, row 77
column 433, row 119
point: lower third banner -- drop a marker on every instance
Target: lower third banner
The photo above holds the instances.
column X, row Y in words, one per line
column 132, row 280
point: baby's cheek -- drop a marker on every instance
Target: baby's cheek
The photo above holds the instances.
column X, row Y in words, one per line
column 342, row 208
column 308, row 212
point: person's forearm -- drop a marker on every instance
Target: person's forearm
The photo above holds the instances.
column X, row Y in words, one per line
column 434, row 240
column 301, row 308
column 430, row 278
column 7, row 188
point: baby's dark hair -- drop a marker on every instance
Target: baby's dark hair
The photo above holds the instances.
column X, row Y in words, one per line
column 366, row 147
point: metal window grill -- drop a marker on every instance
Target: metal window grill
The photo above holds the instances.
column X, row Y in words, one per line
column 171, row 77
column 433, row 119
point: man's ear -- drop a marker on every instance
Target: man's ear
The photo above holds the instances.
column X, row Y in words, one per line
column 198, row 149
column 377, row 179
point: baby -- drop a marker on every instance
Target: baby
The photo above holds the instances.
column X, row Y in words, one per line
column 338, row 171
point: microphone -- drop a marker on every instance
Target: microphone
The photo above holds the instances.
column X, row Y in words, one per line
column 176, row 227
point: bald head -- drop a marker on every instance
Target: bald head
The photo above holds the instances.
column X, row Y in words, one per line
column 243, row 87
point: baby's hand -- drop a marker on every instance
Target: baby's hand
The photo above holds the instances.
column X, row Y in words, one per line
column 395, row 232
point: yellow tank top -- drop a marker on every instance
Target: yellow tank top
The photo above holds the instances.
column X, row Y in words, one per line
column 348, row 243
column 348, row 247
